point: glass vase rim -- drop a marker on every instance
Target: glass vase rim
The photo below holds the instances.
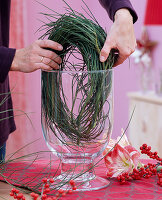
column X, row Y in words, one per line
column 75, row 71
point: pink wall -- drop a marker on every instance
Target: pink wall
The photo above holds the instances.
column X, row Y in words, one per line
column 125, row 76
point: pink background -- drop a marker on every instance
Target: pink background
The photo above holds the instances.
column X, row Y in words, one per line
column 125, row 76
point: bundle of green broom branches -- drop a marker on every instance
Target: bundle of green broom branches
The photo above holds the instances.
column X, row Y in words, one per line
column 82, row 39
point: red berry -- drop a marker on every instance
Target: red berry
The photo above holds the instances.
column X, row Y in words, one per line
column 144, row 145
column 33, row 194
column 57, row 194
column 44, row 196
column 70, row 191
column 72, row 182
column 51, row 180
column 148, row 148
column 46, row 185
column 20, row 195
column 142, row 168
column 63, row 194
column 47, row 190
column 13, row 189
column 11, row 194
column 60, row 191
column 44, row 180
column 122, row 177
column 74, row 188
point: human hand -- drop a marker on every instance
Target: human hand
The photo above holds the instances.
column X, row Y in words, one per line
column 121, row 37
column 36, row 57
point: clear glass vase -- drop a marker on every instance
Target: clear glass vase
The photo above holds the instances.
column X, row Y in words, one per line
column 77, row 119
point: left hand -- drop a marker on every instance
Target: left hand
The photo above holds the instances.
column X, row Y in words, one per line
column 37, row 56
column 121, row 37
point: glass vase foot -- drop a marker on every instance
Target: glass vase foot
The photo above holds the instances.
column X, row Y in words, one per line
column 95, row 183
column 80, row 169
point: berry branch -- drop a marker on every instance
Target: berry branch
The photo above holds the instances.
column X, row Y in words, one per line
column 46, row 190
column 147, row 170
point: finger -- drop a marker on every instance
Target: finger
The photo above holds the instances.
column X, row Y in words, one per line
column 119, row 61
column 105, row 51
column 49, row 62
column 49, row 44
column 53, row 65
column 44, row 66
column 123, row 55
column 50, row 55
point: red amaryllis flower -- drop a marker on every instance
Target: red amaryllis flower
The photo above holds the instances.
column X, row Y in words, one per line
column 123, row 157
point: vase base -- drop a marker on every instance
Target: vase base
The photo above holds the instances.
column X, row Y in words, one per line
column 95, row 183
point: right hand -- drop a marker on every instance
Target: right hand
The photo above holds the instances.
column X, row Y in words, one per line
column 121, row 37
column 36, row 57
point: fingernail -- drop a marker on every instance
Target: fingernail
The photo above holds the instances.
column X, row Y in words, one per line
column 102, row 58
column 60, row 47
